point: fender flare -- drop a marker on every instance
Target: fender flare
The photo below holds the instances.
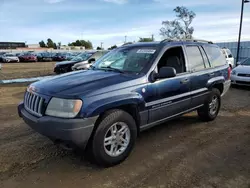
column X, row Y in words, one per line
column 102, row 105
column 216, row 80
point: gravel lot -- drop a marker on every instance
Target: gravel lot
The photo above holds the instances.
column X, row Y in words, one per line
column 26, row 70
column 182, row 153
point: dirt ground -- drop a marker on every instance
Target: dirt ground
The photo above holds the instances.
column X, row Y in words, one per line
column 182, row 153
column 26, row 70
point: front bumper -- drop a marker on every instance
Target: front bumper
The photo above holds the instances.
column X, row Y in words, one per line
column 11, row 60
column 240, row 80
column 73, row 132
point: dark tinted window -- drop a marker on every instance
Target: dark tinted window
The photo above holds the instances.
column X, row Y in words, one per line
column 215, row 56
column 195, row 59
column 207, row 65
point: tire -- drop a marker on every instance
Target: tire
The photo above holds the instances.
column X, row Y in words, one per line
column 102, row 155
column 211, row 107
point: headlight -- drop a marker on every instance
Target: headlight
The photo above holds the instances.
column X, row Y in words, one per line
column 65, row 108
column 233, row 72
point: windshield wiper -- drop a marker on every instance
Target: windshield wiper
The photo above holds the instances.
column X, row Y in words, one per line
column 113, row 69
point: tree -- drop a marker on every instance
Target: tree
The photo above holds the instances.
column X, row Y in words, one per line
column 86, row 44
column 42, row 44
column 98, row 48
column 112, row 47
column 50, row 43
column 146, row 40
column 55, row 46
column 179, row 28
column 59, row 44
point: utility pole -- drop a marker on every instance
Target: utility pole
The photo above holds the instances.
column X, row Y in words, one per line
column 125, row 39
column 241, row 18
column 101, row 44
column 153, row 37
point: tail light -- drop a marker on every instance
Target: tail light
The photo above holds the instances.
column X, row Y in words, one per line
column 229, row 72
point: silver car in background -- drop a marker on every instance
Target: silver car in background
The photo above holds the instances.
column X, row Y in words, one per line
column 241, row 73
column 7, row 58
column 87, row 62
column 229, row 57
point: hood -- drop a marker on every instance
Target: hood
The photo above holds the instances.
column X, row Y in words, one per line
column 66, row 62
column 242, row 69
column 82, row 83
column 81, row 63
column 10, row 57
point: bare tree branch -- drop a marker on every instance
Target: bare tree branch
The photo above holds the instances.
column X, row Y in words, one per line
column 180, row 27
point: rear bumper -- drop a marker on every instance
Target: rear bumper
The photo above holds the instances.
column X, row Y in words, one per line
column 75, row 132
column 227, row 85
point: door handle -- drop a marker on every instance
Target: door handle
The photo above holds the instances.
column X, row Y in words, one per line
column 211, row 74
column 184, row 81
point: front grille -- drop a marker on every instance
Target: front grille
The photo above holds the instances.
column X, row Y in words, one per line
column 33, row 103
column 242, row 82
column 244, row 75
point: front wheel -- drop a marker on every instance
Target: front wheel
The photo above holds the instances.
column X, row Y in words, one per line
column 114, row 138
column 211, row 107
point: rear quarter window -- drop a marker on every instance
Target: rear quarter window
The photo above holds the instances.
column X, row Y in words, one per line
column 215, row 56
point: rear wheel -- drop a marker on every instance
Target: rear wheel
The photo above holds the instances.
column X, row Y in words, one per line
column 211, row 107
column 114, row 138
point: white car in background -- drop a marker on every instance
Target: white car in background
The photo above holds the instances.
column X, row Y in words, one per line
column 241, row 74
column 229, row 57
column 7, row 58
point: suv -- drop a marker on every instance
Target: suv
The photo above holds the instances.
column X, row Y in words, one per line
column 229, row 57
column 130, row 89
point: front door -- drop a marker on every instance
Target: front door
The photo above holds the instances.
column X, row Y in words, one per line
column 170, row 96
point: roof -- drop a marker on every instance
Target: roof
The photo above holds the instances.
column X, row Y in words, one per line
column 169, row 42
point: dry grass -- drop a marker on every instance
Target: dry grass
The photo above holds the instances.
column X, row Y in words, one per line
column 26, row 70
column 10, row 96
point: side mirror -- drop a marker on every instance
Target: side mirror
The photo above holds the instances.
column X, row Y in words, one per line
column 166, row 72
column 91, row 60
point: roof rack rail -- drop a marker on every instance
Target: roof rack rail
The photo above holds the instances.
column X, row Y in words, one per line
column 190, row 40
column 199, row 40
column 169, row 40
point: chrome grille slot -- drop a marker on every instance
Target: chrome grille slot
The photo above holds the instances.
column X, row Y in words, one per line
column 33, row 103
column 244, row 75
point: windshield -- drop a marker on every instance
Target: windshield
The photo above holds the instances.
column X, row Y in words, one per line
column 126, row 59
column 246, row 63
column 82, row 57
column 9, row 55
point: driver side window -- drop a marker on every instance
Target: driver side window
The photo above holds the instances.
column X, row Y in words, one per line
column 173, row 57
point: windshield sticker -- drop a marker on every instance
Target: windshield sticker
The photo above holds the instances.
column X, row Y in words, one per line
column 146, row 51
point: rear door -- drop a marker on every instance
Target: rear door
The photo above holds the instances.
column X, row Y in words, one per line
column 198, row 66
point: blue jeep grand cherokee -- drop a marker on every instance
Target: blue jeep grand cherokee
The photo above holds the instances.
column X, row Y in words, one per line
column 130, row 89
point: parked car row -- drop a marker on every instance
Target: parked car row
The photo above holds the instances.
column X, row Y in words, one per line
column 36, row 56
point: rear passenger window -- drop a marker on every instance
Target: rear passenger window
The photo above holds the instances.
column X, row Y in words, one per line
column 207, row 64
column 195, row 59
column 215, row 56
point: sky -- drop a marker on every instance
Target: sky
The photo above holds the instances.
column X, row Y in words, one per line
column 109, row 21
